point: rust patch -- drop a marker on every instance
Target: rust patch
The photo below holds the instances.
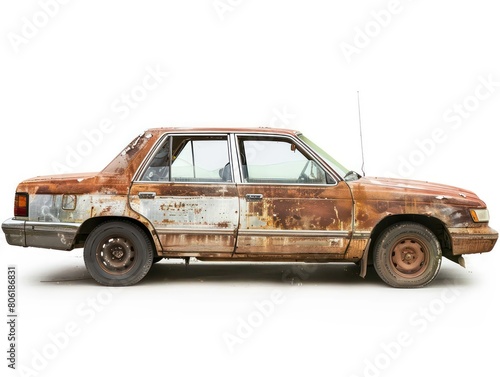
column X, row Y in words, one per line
column 207, row 217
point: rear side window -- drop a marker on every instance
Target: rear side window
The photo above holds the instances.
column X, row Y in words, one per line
column 190, row 159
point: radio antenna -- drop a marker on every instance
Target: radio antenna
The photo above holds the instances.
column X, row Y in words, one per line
column 361, row 139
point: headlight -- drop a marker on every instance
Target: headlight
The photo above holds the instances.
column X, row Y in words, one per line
column 480, row 215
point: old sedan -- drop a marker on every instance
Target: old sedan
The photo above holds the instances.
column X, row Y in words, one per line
column 246, row 195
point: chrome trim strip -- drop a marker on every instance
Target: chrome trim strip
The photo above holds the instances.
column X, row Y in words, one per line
column 29, row 226
column 474, row 237
column 197, row 231
column 361, row 234
column 47, row 226
column 303, row 233
column 13, row 224
column 293, row 233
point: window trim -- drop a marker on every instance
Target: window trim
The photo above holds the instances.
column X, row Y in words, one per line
column 304, row 148
column 161, row 140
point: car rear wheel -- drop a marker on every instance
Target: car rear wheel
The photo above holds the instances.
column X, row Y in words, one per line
column 118, row 253
column 407, row 255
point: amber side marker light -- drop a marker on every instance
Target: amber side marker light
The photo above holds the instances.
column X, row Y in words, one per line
column 21, row 204
column 480, row 215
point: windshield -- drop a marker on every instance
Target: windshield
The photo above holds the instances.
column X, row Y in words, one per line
column 334, row 164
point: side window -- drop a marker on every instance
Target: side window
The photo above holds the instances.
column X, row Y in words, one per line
column 278, row 160
column 190, row 159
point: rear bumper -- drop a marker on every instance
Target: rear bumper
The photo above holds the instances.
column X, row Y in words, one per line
column 14, row 232
column 473, row 240
column 40, row 234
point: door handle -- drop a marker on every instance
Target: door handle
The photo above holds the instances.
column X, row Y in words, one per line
column 147, row 195
column 253, row 197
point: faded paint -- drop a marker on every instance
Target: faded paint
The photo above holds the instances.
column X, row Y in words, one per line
column 377, row 198
column 293, row 222
column 204, row 218
column 277, row 223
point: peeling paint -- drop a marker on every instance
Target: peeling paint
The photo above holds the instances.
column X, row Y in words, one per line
column 245, row 221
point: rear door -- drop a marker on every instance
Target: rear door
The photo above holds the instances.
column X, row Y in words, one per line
column 289, row 204
column 187, row 191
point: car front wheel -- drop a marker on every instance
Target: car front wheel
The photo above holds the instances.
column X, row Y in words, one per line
column 118, row 253
column 407, row 255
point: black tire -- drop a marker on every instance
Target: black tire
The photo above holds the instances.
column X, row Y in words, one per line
column 118, row 253
column 407, row 255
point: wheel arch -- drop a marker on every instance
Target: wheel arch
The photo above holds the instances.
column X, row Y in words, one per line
column 89, row 224
column 436, row 226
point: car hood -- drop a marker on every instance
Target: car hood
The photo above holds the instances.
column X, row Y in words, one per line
column 372, row 188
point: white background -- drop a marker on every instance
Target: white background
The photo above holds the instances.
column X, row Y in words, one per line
column 240, row 64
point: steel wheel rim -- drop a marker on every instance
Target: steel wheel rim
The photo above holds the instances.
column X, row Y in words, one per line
column 116, row 255
column 409, row 257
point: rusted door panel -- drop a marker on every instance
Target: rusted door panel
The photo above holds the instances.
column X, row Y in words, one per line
column 189, row 217
column 297, row 219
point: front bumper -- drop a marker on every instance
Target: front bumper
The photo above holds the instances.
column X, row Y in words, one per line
column 46, row 235
column 473, row 240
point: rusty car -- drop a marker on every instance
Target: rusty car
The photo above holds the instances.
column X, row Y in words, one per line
column 246, row 194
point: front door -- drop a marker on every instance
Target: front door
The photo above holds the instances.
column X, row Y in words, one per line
column 187, row 192
column 289, row 204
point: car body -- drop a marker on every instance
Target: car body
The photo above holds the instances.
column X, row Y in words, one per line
column 247, row 194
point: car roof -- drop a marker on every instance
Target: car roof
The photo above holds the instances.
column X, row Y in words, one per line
column 262, row 130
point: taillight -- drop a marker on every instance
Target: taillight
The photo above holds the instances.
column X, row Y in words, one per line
column 21, row 204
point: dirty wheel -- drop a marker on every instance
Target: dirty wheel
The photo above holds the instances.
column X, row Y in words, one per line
column 407, row 255
column 118, row 253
